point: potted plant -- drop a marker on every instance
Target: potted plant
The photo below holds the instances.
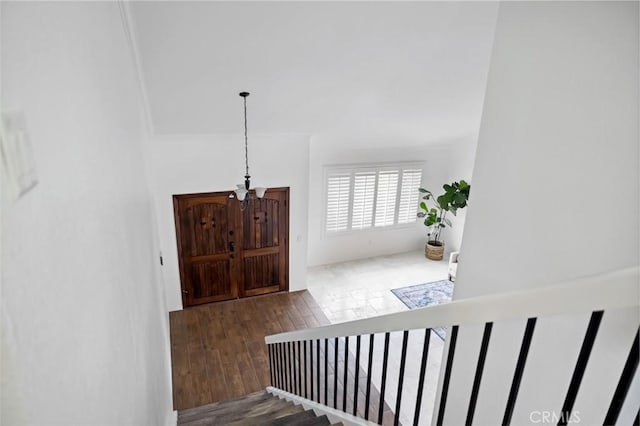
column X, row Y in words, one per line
column 456, row 196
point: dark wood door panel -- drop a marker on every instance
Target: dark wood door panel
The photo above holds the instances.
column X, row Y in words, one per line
column 261, row 271
column 211, row 281
column 208, row 270
column 265, row 248
column 261, row 222
column 207, row 258
column 261, row 252
column 205, row 228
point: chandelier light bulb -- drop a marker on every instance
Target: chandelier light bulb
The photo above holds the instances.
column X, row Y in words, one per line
column 260, row 191
column 241, row 193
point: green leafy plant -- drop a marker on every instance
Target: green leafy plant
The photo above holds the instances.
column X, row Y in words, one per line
column 455, row 197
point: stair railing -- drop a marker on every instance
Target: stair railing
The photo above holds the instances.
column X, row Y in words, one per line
column 307, row 362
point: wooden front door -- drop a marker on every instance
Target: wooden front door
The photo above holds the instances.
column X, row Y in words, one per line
column 205, row 227
column 264, row 254
column 227, row 252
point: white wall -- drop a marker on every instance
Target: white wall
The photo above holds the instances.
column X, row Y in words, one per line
column 555, row 194
column 462, row 155
column 83, row 312
column 440, row 167
column 556, row 174
column 190, row 164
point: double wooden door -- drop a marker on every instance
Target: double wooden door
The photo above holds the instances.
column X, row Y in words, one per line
column 228, row 249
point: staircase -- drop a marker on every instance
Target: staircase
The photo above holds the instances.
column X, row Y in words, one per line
column 500, row 350
column 260, row 408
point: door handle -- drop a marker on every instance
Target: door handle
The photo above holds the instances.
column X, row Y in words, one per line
column 232, row 246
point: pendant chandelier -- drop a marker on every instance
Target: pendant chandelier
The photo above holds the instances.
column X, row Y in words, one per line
column 242, row 190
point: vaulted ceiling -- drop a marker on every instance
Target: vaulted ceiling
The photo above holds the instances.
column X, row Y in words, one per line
column 394, row 70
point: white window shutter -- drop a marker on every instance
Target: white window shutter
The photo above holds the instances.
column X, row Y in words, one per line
column 364, row 186
column 386, row 197
column 337, row 215
column 409, row 195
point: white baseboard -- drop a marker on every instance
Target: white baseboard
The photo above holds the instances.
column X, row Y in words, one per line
column 172, row 420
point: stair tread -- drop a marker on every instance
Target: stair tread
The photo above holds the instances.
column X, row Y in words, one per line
column 271, row 417
column 256, row 409
column 232, row 412
column 298, row 419
column 318, row 421
column 252, row 397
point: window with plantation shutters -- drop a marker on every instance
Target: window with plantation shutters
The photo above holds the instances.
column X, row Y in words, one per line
column 371, row 196
column 386, row 197
column 409, row 195
column 364, row 186
column 337, row 215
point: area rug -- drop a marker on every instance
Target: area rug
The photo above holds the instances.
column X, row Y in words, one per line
column 427, row 294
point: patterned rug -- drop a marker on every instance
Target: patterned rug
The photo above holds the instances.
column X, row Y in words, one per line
column 427, row 294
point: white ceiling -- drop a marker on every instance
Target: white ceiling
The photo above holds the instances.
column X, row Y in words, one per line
column 396, row 70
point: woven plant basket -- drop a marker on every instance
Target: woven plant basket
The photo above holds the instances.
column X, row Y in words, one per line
column 433, row 251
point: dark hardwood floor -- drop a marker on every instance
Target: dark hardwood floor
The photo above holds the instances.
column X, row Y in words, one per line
column 218, row 350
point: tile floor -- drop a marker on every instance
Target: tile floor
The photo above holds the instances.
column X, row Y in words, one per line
column 361, row 289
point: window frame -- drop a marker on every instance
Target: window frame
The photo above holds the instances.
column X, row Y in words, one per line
column 354, row 168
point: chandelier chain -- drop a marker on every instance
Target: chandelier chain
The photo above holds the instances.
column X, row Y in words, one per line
column 246, row 144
